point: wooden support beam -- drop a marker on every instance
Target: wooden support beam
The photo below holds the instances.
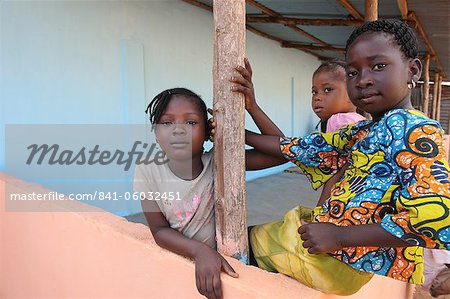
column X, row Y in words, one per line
column 426, row 85
column 312, row 47
column 403, row 7
column 439, row 98
column 253, row 29
column 415, row 22
column 281, row 41
column 435, row 95
column 229, row 139
column 199, row 4
column 371, row 10
column 273, row 13
column 263, row 8
column 306, row 34
column 264, row 34
column 305, row 22
column 351, row 9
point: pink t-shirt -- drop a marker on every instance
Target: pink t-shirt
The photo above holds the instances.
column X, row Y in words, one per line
column 339, row 120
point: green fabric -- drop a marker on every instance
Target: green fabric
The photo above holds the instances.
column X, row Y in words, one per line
column 278, row 248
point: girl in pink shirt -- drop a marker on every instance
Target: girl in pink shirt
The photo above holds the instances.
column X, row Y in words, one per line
column 330, row 102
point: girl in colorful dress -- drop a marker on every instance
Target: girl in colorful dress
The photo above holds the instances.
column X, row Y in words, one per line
column 394, row 197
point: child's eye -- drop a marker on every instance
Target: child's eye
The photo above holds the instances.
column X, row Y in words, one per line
column 352, row 74
column 327, row 90
column 191, row 122
column 379, row 66
column 314, row 92
column 166, row 123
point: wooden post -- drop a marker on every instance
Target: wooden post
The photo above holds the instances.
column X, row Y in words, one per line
column 229, row 144
column 371, row 10
column 439, row 97
column 435, row 95
column 403, row 7
column 351, row 9
column 421, row 31
column 426, row 85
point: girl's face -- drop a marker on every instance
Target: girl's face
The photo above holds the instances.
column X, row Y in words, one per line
column 181, row 129
column 378, row 74
column 329, row 94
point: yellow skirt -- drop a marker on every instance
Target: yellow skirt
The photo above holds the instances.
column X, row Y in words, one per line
column 277, row 247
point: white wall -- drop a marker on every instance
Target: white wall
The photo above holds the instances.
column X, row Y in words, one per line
column 87, row 62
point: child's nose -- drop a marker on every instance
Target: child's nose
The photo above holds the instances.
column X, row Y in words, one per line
column 179, row 129
column 365, row 80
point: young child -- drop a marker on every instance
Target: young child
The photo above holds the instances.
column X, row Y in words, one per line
column 178, row 197
column 185, row 226
column 394, row 196
column 330, row 102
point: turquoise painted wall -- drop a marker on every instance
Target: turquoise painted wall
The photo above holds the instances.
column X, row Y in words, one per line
column 83, row 62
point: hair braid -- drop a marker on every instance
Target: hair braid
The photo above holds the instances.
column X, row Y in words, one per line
column 159, row 104
column 402, row 34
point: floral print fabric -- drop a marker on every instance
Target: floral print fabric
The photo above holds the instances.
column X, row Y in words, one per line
column 397, row 176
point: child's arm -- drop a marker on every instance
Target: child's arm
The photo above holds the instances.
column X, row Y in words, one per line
column 208, row 262
column 328, row 237
column 422, row 201
column 254, row 159
column 244, row 85
column 323, row 237
column 266, row 144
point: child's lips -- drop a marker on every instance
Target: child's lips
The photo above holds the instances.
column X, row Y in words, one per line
column 369, row 98
column 179, row 144
column 317, row 109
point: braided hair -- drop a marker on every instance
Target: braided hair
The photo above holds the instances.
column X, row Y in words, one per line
column 335, row 66
column 402, row 35
column 159, row 104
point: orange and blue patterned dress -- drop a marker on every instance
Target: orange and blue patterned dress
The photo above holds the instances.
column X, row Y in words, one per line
column 397, row 176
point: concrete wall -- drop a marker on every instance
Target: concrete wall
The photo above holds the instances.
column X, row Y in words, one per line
column 100, row 62
column 66, row 252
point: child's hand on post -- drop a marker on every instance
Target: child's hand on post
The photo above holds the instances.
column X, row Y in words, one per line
column 244, row 85
column 208, row 266
column 320, row 237
column 211, row 125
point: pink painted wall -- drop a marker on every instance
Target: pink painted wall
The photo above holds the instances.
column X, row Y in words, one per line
column 447, row 145
column 72, row 254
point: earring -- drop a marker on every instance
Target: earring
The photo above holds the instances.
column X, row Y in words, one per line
column 413, row 84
